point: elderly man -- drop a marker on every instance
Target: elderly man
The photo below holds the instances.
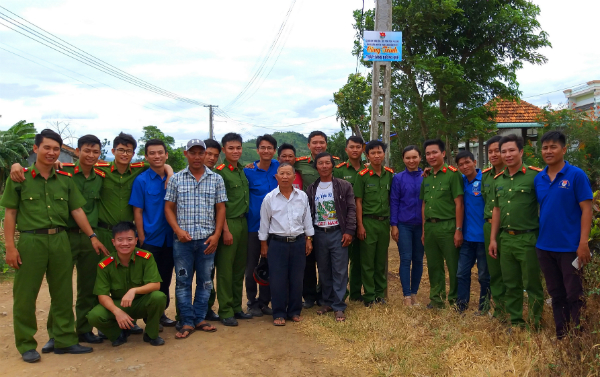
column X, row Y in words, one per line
column 286, row 223
column 333, row 210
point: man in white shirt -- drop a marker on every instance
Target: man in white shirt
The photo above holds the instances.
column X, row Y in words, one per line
column 285, row 233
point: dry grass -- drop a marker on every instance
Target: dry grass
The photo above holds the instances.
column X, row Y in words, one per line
column 394, row 340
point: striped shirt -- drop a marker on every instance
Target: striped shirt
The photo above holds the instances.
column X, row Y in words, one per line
column 195, row 201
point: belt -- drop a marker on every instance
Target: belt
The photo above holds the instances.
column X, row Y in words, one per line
column 434, row 220
column 75, row 230
column 380, row 218
column 489, row 220
column 286, row 239
column 105, row 226
column 328, row 229
column 515, row 232
column 45, row 231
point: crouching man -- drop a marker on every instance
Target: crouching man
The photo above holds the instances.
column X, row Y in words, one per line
column 127, row 285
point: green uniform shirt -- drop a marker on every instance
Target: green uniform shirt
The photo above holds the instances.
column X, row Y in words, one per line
column 41, row 203
column 90, row 188
column 438, row 192
column 114, row 279
column 304, row 166
column 346, row 171
column 487, row 180
column 515, row 196
column 374, row 190
column 116, row 190
column 236, row 185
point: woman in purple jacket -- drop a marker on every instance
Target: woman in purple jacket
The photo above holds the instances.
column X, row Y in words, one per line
column 406, row 222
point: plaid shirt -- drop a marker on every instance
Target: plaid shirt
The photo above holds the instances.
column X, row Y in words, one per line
column 196, row 201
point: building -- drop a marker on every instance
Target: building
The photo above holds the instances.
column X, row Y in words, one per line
column 585, row 97
column 67, row 154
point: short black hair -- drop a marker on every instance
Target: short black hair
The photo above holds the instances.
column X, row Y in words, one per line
column 231, row 136
column 123, row 226
column 411, row 148
column 47, row 134
column 268, row 138
column 124, row 139
column 554, row 136
column 321, row 155
column 88, row 140
column 211, row 143
column 355, row 139
column 437, row 142
column 464, row 154
column 152, row 142
column 317, row 133
column 492, row 140
column 374, row 144
column 512, row 138
column 285, row 146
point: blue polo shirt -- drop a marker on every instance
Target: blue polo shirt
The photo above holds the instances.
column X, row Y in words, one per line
column 474, row 207
column 261, row 182
column 148, row 193
column 560, row 213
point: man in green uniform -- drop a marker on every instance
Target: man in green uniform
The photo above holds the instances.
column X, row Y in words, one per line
column 443, row 212
column 230, row 260
column 515, row 222
column 497, row 286
column 372, row 192
column 128, row 287
column 348, row 171
column 39, row 207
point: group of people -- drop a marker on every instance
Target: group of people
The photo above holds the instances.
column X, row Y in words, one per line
column 319, row 227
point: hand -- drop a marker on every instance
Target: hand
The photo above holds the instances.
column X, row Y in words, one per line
column 183, row 236
column 583, row 253
column 124, row 320
column 227, row 237
column 458, row 238
column 212, row 242
column 361, row 233
column 395, row 233
column 346, row 240
column 13, row 258
column 17, row 173
column 128, row 298
column 308, row 246
column 426, row 172
column 141, row 238
column 250, row 165
column 58, row 165
column 493, row 249
column 423, row 238
column 169, row 171
column 263, row 250
column 99, row 247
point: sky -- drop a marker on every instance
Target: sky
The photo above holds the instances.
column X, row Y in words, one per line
column 210, row 51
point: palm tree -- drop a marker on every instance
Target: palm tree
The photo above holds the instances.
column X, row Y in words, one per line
column 15, row 145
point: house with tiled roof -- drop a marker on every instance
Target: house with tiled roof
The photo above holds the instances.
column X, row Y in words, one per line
column 516, row 117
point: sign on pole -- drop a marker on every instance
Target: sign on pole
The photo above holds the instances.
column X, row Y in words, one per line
column 382, row 46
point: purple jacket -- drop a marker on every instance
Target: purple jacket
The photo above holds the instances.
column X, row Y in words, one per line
column 404, row 198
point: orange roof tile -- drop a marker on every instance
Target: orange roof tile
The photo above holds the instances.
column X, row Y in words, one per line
column 514, row 111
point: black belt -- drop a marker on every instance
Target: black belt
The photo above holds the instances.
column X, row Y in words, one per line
column 75, row 230
column 286, row 239
column 105, row 226
column 380, row 218
column 515, row 232
column 328, row 229
column 433, row 220
column 45, row 231
column 242, row 215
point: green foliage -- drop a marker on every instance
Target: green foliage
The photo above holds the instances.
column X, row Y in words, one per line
column 336, row 145
column 15, row 145
column 105, row 143
column 299, row 141
column 176, row 158
column 353, row 104
column 3, row 265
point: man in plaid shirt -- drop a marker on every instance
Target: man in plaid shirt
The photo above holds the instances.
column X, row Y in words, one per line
column 195, row 209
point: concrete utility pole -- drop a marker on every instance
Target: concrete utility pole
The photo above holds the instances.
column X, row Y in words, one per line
column 382, row 78
column 210, row 121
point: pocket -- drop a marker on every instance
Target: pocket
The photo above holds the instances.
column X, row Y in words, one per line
column 443, row 189
column 153, row 191
column 61, row 197
column 30, row 196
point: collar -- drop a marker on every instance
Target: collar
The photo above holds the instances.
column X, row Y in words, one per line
column 154, row 175
column 35, row 173
column 350, row 166
column 523, row 170
column 478, row 177
column 274, row 163
column 118, row 261
column 419, row 171
column 443, row 169
column 206, row 171
column 113, row 167
column 77, row 169
column 293, row 191
column 562, row 171
column 230, row 166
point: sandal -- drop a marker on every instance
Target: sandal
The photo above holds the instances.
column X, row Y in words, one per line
column 340, row 316
column 190, row 330
column 296, row 318
column 324, row 309
column 203, row 326
column 281, row 321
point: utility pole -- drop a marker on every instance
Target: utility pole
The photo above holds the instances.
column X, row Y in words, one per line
column 210, row 121
column 382, row 78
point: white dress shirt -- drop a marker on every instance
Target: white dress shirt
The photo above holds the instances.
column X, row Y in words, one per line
column 285, row 217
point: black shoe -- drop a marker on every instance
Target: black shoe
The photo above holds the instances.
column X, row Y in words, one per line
column 154, row 342
column 48, row 347
column 242, row 315
column 212, row 316
column 266, row 310
column 320, row 302
column 102, row 336
column 308, row 304
column 369, row 304
column 430, row 306
column 229, row 321
column 89, row 337
column 166, row 321
column 122, row 339
column 380, row 300
column 74, row 349
column 360, row 299
column 178, row 326
column 31, row 356
column 255, row 312
column 136, row 330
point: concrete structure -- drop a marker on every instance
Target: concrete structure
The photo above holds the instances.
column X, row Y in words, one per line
column 67, row 154
column 585, row 97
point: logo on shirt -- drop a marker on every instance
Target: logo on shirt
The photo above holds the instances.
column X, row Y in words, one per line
column 564, row 184
column 476, row 189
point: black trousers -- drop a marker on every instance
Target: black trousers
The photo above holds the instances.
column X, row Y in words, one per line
column 163, row 256
column 286, row 263
column 563, row 282
column 310, row 290
column 264, row 292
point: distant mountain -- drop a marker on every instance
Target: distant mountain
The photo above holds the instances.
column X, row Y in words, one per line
column 298, row 140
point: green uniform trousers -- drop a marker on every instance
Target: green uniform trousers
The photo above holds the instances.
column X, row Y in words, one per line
column 230, row 263
column 150, row 306
column 439, row 246
column 50, row 255
column 373, row 255
column 355, row 282
column 86, row 261
column 521, row 270
column 497, row 286
column 105, row 236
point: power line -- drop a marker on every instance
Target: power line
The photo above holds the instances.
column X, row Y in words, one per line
column 554, row 91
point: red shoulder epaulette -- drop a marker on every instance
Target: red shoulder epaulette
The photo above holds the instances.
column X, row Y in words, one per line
column 535, row 168
column 340, row 165
column 64, row 173
column 452, row 168
column 335, row 157
column 389, row 169
column 106, row 262
column 68, row 164
column 143, row 254
column 220, row 167
column 100, row 172
column 137, row 165
column 101, row 164
column 486, row 170
column 25, row 170
column 364, row 171
column 499, row 174
column 301, row 158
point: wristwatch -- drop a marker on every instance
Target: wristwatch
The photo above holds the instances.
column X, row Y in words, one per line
column 309, row 238
column 93, row 235
column 459, row 228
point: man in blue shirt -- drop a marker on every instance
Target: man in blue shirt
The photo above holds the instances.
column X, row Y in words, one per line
column 148, row 200
column 565, row 197
column 261, row 180
column 473, row 246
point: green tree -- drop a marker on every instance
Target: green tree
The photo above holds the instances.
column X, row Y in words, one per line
column 352, row 102
column 176, row 157
column 15, row 145
column 105, row 143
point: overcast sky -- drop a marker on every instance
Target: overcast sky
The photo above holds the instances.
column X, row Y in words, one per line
column 209, row 51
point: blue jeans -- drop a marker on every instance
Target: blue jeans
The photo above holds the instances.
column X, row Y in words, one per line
column 469, row 252
column 411, row 250
column 189, row 257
